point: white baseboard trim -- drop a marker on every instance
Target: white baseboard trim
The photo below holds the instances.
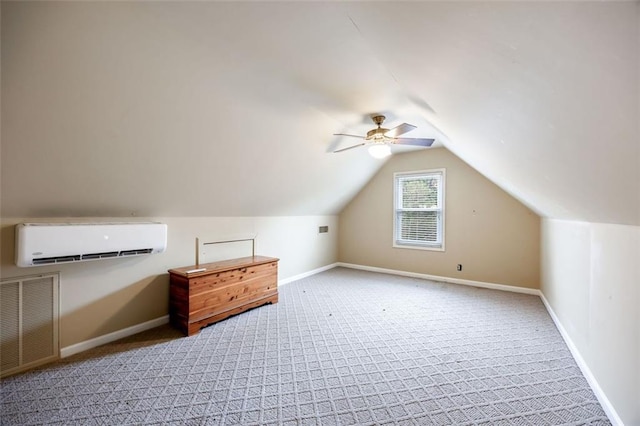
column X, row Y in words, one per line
column 111, row 337
column 595, row 386
column 307, row 274
column 471, row 283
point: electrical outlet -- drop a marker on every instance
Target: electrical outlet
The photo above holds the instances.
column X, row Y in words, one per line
column 459, row 267
column 323, row 229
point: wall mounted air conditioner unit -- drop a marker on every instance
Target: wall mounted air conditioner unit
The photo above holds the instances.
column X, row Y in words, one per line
column 49, row 243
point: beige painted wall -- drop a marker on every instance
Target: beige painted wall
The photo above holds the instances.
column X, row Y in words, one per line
column 100, row 297
column 492, row 235
column 591, row 278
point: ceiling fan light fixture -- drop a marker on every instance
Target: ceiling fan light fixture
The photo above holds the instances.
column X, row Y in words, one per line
column 379, row 151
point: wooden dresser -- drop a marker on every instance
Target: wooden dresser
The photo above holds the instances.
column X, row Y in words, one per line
column 222, row 289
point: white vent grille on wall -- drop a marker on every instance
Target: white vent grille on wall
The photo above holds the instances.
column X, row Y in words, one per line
column 28, row 322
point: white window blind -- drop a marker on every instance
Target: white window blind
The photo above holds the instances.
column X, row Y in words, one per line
column 419, row 209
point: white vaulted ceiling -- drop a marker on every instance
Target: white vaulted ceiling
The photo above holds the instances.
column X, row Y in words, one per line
column 228, row 109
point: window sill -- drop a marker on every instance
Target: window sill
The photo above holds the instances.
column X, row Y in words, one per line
column 418, row 247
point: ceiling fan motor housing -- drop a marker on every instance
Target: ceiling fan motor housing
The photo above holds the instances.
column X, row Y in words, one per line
column 376, row 134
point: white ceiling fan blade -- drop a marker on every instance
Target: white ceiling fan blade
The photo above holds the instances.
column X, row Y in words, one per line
column 414, row 141
column 351, row 136
column 400, row 130
column 350, row 147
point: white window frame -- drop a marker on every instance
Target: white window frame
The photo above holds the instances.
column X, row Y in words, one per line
column 412, row 244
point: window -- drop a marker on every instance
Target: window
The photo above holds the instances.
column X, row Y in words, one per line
column 419, row 210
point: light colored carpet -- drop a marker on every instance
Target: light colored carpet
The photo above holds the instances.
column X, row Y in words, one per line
column 341, row 347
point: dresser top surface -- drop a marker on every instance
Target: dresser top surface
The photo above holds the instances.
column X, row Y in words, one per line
column 221, row 265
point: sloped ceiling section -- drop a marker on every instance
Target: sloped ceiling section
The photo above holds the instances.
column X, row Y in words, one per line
column 228, row 109
column 542, row 98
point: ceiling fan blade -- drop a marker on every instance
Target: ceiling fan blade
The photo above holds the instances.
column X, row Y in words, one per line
column 400, row 130
column 414, row 141
column 350, row 147
column 351, row 136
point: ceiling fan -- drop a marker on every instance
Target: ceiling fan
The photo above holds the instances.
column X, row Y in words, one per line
column 382, row 138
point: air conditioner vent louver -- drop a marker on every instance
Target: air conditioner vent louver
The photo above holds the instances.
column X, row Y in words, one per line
column 136, row 252
column 58, row 259
column 54, row 243
column 105, row 255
